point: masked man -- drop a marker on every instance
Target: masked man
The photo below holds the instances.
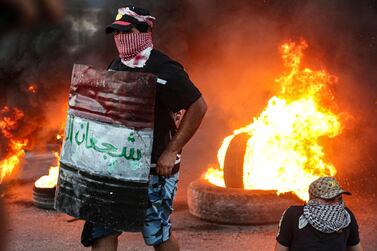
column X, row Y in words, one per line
column 175, row 92
column 323, row 224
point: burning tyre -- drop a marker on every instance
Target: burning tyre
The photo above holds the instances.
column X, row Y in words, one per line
column 44, row 197
column 236, row 205
column 45, row 187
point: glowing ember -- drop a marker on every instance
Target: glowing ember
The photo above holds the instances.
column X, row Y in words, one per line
column 32, row 88
column 60, row 135
column 283, row 152
column 9, row 119
column 50, row 180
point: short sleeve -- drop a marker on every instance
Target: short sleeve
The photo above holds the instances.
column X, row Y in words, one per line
column 285, row 229
column 353, row 238
column 175, row 89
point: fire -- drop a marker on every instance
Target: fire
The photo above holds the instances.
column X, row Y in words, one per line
column 50, row 180
column 12, row 160
column 283, row 151
column 9, row 119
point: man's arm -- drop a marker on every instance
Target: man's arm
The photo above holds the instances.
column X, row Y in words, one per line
column 189, row 125
column 357, row 247
column 279, row 247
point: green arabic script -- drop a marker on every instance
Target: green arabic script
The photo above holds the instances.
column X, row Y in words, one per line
column 81, row 138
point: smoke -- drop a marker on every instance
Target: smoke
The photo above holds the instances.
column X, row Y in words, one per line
column 230, row 50
column 233, row 56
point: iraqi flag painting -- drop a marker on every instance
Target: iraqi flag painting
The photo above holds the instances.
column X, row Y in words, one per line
column 107, row 148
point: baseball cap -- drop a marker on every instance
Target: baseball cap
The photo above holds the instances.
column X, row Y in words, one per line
column 129, row 17
column 326, row 188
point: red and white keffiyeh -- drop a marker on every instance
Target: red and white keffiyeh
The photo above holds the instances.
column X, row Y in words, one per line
column 147, row 19
column 134, row 48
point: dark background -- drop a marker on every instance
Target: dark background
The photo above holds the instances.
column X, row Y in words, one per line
column 230, row 50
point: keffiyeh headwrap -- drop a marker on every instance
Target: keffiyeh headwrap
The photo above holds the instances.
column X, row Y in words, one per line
column 141, row 18
column 134, row 48
column 325, row 218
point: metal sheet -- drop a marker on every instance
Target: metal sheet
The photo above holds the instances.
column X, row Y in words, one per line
column 107, row 150
column 106, row 153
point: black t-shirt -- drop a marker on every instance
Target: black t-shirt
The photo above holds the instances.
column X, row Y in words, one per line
column 174, row 92
column 309, row 238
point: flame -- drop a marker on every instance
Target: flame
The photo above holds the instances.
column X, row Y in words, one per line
column 60, row 134
column 13, row 160
column 283, row 151
column 9, row 119
column 50, row 180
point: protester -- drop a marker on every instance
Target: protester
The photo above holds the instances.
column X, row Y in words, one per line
column 175, row 92
column 324, row 223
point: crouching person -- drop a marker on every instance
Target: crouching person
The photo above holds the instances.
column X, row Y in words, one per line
column 324, row 223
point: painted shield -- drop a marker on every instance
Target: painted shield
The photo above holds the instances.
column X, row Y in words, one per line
column 106, row 153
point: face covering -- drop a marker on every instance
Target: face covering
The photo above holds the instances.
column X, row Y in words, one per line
column 325, row 218
column 131, row 45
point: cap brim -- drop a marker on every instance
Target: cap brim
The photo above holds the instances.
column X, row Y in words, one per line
column 346, row 193
column 337, row 194
column 118, row 27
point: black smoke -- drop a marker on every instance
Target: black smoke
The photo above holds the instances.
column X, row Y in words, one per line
column 230, row 49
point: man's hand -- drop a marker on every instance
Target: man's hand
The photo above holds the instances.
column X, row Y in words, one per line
column 190, row 123
column 166, row 163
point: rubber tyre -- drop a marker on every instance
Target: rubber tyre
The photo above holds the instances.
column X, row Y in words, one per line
column 237, row 206
column 44, row 197
column 233, row 163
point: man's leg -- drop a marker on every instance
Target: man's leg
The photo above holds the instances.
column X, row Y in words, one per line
column 170, row 245
column 99, row 237
column 157, row 230
column 108, row 243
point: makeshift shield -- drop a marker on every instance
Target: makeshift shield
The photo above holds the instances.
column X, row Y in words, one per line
column 106, row 153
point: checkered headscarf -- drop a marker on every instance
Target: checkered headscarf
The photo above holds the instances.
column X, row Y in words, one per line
column 325, row 218
column 132, row 45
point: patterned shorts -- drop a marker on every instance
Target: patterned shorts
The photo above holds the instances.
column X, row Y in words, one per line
column 157, row 227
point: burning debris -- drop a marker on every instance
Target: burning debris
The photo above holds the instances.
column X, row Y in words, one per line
column 50, row 180
column 45, row 187
column 9, row 119
column 282, row 151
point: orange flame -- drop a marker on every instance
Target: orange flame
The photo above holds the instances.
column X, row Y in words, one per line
column 8, row 122
column 283, row 151
column 13, row 160
column 50, row 180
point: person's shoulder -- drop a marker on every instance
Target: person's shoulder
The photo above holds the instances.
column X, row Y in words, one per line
column 348, row 210
column 115, row 65
column 162, row 61
column 294, row 211
column 353, row 218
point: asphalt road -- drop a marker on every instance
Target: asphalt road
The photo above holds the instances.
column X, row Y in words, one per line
column 30, row 228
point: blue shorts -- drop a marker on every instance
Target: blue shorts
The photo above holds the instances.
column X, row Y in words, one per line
column 157, row 226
